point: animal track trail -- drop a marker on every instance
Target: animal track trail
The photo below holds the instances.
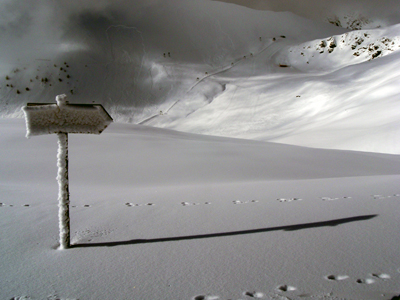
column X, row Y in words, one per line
column 336, row 277
column 129, row 204
column 334, row 199
column 51, row 297
column 204, row 297
column 85, row 205
column 194, row 203
column 11, row 205
column 257, row 295
column 244, row 202
column 289, row 199
column 382, row 276
column 365, row 281
column 286, row 288
column 379, row 197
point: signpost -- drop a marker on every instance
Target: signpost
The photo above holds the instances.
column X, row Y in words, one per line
column 63, row 118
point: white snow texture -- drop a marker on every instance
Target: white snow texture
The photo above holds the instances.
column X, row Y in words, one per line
column 202, row 189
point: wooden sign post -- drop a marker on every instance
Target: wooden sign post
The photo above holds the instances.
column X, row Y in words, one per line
column 63, row 118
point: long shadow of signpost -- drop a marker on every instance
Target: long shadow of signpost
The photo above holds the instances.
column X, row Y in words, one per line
column 232, row 233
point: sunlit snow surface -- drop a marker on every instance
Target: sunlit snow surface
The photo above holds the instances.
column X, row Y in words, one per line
column 213, row 68
column 158, row 214
column 163, row 214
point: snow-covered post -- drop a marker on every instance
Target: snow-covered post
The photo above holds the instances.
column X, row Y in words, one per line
column 63, row 118
column 63, row 190
column 63, row 184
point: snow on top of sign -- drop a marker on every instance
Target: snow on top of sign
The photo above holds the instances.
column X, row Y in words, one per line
column 68, row 118
column 61, row 100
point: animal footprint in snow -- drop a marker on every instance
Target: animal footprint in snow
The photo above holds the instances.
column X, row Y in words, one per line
column 377, row 197
column 329, row 199
column 190, row 204
column 254, row 294
column 239, row 202
column 244, row 202
column 286, row 288
column 10, row 205
column 288, row 199
column 133, row 204
column 381, row 276
column 336, row 277
column 203, row 297
column 333, row 199
column 365, row 281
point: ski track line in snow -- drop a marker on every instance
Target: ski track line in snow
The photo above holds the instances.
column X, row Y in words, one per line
column 219, row 71
column 237, row 61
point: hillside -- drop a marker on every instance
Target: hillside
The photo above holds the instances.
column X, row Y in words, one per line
column 211, row 67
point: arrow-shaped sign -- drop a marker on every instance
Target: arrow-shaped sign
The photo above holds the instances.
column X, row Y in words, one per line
column 46, row 118
column 63, row 118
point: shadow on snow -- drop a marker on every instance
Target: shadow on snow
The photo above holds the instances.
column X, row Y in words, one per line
column 232, row 233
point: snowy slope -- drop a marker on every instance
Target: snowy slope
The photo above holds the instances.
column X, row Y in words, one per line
column 327, row 99
column 229, row 70
column 129, row 62
column 158, row 214
column 214, row 68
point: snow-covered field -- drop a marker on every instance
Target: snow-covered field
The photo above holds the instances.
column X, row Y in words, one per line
column 212, row 182
column 158, row 214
